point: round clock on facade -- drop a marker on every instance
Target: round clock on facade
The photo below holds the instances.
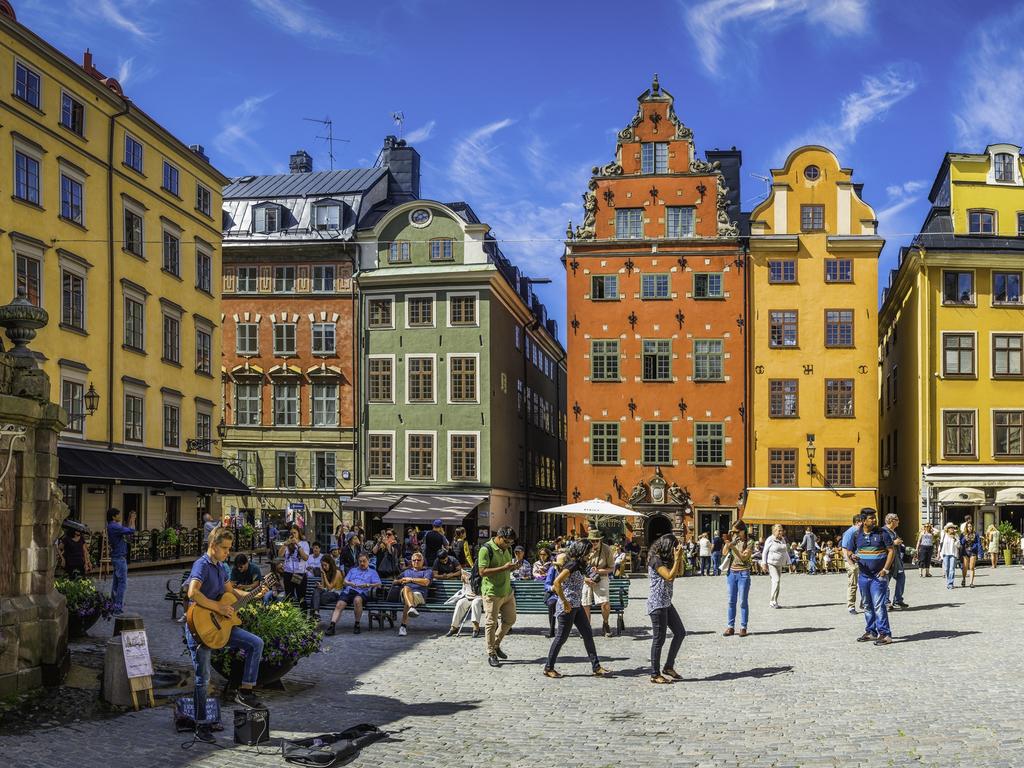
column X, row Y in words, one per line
column 420, row 217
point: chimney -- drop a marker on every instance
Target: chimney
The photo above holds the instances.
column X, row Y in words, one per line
column 199, row 150
column 300, row 162
column 403, row 164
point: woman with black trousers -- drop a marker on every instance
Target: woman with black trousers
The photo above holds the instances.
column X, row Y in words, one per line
column 659, row 605
column 568, row 586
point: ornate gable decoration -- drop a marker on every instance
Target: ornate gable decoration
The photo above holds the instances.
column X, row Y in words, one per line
column 656, row 94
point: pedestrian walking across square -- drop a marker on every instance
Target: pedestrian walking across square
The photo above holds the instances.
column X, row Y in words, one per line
column 872, row 549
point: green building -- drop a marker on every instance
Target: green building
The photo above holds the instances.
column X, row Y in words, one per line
column 462, row 379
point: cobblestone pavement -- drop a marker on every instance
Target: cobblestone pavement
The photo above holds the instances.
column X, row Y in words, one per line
column 797, row 692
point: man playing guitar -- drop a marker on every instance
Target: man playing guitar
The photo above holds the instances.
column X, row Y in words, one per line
column 207, row 583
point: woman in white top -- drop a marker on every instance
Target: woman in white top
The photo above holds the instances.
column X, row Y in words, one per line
column 949, row 548
column 775, row 557
column 992, row 534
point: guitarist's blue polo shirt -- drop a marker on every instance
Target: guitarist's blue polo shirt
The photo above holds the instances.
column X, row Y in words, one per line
column 211, row 576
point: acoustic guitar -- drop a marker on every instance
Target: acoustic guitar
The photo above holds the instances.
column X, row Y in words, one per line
column 214, row 630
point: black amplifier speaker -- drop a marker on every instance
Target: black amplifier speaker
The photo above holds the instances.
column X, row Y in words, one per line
column 252, row 726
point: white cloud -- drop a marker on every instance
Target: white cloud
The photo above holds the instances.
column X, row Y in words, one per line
column 707, row 21
column 118, row 14
column 992, row 104
column 901, row 197
column 235, row 139
column 124, row 70
column 474, row 166
column 299, row 18
column 877, row 94
column 421, row 134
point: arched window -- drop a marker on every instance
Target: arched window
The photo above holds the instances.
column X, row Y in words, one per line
column 1004, row 167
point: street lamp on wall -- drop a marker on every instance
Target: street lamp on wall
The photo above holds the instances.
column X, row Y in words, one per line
column 222, row 428
column 92, row 400
column 811, row 450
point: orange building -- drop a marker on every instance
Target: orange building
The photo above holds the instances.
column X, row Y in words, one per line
column 656, row 319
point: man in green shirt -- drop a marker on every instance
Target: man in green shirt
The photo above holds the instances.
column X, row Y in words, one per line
column 494, row 562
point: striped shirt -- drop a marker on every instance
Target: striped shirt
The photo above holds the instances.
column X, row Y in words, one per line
column 872, row 550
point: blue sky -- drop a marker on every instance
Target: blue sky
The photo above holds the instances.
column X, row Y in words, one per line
column 510, row 104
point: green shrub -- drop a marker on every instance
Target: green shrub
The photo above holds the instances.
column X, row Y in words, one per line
column 83, row 598
column 286, row 632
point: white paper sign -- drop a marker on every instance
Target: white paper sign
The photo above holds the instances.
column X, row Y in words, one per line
column 136, row 653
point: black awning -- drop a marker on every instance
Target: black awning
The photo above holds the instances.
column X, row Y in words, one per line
column 198, row 475
column 86, row 465
column 371, row 502
column 424, row 508
column 83, row 464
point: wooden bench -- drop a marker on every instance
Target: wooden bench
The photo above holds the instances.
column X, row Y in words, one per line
column 177, row 593
column 531, row 598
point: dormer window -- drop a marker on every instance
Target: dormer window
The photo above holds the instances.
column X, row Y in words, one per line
column 1003, row 167
column 267, row 219
column 327, row 216
column 654, row 157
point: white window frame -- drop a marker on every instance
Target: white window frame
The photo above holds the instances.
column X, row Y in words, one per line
column 433, row 468
column 79, row 269
column 247, row 352
column 255, row 281
column 433, row 309
column 391, row 434
column 282, row 382
column 63, row 169
column 64, row 93
column 34, row 253
column 284, row 268
column 476, row 378
column 334, row 278
column 295, row 340
column 33, row 153
column 379, row 297
column 175, row 315
column 142, row 153
column 128, row 207
column 321, row 381
column 174, row 402
column 317, row 207
column 391, row 398
column 14, row 84
column 208, row 209
column 334, row 338
column 79, row 377
column 177, row 178
column 126, row 294
column 448, row 312
column 248, row 382
column 174, row 231
column 204, row 410
column 433, row 381
column 476, row 477
column 203, row 327
column 133, row 390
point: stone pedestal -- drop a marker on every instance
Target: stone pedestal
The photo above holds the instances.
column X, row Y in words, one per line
column 33, row 616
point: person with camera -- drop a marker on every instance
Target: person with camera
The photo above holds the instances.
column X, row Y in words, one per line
column 568, row 586
column 664, row 565
column 295, row 553
column 117, row 537
column 595, row 586
column 739, row 552
column 495, row 565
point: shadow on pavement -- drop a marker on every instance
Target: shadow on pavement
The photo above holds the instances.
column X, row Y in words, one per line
column 794, row 631
column 757, row 672
column 813, row 605
column 937, row 634
column 979, row 586
column 929, row 607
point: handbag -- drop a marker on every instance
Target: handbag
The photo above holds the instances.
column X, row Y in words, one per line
column 185, row 714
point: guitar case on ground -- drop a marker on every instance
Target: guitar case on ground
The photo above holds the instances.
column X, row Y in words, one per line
column 329, row 749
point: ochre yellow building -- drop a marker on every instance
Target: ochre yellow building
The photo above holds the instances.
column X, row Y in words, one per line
column 112, row 225
column 812, row 345
column 951, row 334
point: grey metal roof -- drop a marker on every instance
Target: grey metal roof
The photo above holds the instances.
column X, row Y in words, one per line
column 317, row 184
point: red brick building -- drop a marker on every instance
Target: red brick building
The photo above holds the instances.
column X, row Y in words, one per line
column 656, row 318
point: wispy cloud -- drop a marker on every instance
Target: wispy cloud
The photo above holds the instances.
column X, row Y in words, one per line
column 474, row 166
column 235, row 140
column 877, row 95
column 421, row 134
column 708, row 21
column 299, row 18
column 120, row 14
column 992, row 104
column 124, row 70
column 900, row 197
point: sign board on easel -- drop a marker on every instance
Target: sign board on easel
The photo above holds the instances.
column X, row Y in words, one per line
column 138, row 664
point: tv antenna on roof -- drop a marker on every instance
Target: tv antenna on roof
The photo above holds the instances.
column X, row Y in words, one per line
column 329, row 138
column 399, row 118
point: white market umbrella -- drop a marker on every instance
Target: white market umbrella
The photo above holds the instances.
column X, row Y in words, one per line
column 593, row 508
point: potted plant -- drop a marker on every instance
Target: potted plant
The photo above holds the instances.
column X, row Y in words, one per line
column 287, row 637
column 170, row 536
column 86, row 604
column 1009, row 540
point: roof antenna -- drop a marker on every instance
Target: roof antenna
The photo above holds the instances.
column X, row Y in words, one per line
column 399, row 118
column 329, row 138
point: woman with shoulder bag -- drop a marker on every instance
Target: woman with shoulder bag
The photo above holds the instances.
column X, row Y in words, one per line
column 659, row 605
column 775, row 557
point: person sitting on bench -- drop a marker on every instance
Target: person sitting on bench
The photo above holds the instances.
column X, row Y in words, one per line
column 414, row 582
column 358, row 583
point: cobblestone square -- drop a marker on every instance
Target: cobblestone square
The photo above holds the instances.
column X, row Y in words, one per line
column 798, row 691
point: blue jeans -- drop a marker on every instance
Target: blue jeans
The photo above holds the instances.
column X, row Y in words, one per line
column 900, row 579
column 739, row 586
column 716, row 563
column 119, row 582
column 812, row 562
column 248, row 643
column 949, row 568
column 875, row 592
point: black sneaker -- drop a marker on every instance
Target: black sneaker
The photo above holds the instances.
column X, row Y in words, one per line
column 330, row 629
column 248, row 699
column 204, row 733
column 606, row 630
column 500, row 654
column 493, row 661
column 452, row 632
column 356, row 629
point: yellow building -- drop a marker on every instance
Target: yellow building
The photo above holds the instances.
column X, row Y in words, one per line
column 951, row 331
column 812, row 345
column 112, row 225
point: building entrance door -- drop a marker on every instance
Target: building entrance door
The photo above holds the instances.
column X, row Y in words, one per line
column 132, row 502
column 713, row 522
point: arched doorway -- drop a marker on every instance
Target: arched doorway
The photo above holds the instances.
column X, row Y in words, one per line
column 657, row 526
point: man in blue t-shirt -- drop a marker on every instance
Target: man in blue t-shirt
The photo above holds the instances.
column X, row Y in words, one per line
column 117, row 538
column 872, row 549
column 207, row 583
column 851, row 565
column 414, row 582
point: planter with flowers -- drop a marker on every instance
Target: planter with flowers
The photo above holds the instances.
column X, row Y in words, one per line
column 287, row 634
column 86, row 604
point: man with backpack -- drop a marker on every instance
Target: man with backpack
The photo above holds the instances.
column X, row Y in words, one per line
column 494, row 564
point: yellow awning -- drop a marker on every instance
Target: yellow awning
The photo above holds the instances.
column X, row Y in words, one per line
column 805, row 507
